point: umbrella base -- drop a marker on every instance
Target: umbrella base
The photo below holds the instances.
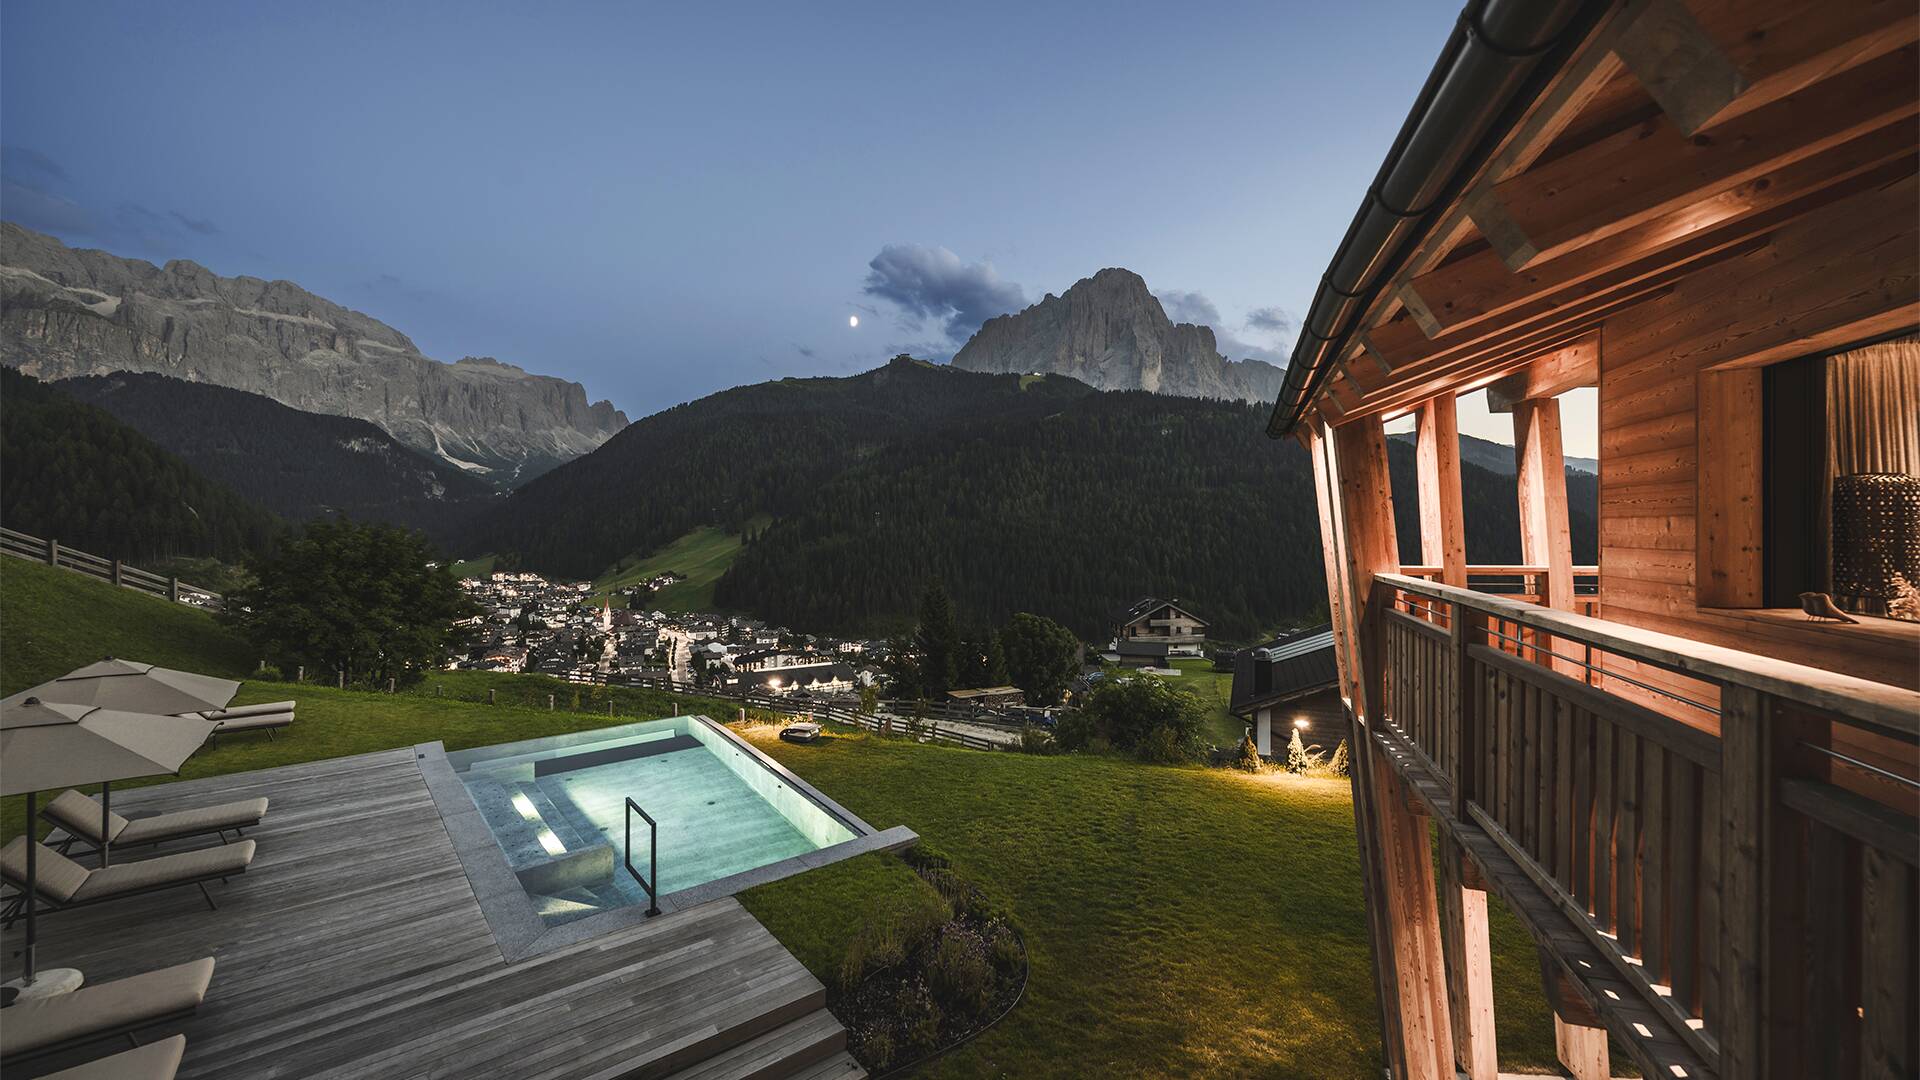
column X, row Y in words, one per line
column 45, row 984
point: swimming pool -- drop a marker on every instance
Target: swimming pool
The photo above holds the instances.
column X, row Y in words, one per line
column 557, row 809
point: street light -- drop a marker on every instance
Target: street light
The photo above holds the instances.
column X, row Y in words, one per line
column 1300, row 723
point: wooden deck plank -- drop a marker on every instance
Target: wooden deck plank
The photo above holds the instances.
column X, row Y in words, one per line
column 354, row 947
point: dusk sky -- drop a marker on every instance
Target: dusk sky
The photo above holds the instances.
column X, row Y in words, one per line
column 664, row 201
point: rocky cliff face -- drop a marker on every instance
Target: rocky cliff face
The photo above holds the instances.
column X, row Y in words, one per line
column 1109, row 331
column 67, row 311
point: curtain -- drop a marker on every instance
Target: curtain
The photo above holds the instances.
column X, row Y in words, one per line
column 1873, row 409
column 1873, row 427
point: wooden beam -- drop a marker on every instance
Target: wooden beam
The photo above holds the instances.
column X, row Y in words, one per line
column 1728, row 571
column 1679, row 64
column 1479, row 286
column 1579, row 1035
column 1413, row 918
column 1634, row 176
column 1469, row 960
column 1551, row 375
column 1443, row 537
column 1544, row 537
column 1781, row 47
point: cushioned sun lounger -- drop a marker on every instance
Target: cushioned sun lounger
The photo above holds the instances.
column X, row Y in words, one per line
column 104, row 1010
column 80, row 817
column 155, row 1061
column 244, row 718
column 63, row 883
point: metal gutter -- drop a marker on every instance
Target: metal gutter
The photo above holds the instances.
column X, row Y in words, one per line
column 1500, row 57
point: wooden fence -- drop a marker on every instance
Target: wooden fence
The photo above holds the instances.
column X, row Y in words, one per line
column 1737, row 838
column 51, row 552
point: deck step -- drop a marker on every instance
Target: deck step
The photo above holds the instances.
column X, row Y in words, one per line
column 781, row 1054
column 733, row 1026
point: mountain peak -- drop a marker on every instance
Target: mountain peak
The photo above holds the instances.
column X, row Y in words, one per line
column 1111, row 332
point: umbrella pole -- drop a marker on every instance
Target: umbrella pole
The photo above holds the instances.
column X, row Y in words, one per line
column 32, row 900
column 106, row 833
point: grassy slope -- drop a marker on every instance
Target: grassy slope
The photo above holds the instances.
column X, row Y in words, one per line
column 478, row 567
column 703, row 555
column 1180, row 922
column 53, row 621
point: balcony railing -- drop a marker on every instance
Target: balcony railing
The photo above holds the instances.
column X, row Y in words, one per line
column 1735, row 835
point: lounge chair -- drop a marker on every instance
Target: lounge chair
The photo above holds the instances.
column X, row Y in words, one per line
column 63, row 883
column 46, row 1025
column 79, row 816
column 245, row 718
column 155, row 1061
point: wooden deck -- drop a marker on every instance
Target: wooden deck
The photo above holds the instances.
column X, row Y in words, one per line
column 354, row 946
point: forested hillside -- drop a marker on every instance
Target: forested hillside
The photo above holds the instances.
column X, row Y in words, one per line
column 75, row 473
column 1018, row 493
column 300, row 465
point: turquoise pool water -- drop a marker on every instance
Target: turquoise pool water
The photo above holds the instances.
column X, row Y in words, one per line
column 557, row 808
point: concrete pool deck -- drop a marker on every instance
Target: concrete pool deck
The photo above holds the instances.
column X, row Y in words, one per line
column 356, row 946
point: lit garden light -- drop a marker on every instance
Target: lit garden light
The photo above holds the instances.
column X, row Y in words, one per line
column 1301, row 723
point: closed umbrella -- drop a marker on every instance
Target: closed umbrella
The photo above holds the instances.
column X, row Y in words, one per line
column 132, row 686
column 52, row 745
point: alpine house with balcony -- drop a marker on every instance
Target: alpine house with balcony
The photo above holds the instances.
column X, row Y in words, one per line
column 1693, row 779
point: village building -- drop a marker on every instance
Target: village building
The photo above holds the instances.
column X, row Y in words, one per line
column 1151, row 631
column 1290, row 684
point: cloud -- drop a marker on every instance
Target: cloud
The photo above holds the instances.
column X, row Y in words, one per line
column 1270, row 319
column 199, row 225
column 806, row 352
column 36, row 191
column 1268, row 322
column 932, row 284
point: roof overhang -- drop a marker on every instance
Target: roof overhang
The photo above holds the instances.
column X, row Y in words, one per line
column 1622, row 148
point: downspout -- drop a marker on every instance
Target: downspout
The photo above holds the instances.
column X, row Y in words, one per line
column 1497, row 61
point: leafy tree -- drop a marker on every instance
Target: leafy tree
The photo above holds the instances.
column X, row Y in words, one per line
column 939, row 641
column 982, row 661
column 902, row 668
column 1129, row 710
column 367, row 600
column 1042, row 657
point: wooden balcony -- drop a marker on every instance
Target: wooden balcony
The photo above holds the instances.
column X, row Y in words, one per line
column 1719, row 864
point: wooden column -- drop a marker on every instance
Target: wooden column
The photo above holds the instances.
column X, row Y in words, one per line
column 1410, row 898
column 1463, row 939
column 1443, row 537
column 1579, row 1040
column 1331, row 547
column 1396, row 854
column 1544, row 537
column 1728, row 570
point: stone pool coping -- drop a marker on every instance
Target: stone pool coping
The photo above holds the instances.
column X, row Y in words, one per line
column 517, row 927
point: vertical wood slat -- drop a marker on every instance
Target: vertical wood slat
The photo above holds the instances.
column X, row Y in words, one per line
column 1746, row 760
column 1606, row 798
column 1581, row 821
column 1626, row 908
column 1889, row 981
column 1563, row 824
column 1712, row 957
column 1529, row 787
column 1653, row 859
column 1683, row 877
column 1827, row 1001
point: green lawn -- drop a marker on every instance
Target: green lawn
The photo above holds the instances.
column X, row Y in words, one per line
column 703, row 555
column 1179, row 921
column 480, row 567
column 1213, row 687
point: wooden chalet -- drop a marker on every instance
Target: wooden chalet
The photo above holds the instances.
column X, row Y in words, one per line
column 1698, row 799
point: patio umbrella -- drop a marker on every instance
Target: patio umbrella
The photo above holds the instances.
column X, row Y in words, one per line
column 132, row 686
column 51, row 745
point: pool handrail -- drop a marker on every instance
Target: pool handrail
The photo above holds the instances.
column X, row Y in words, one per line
column 653, row 854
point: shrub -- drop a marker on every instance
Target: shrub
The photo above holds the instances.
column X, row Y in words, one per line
column 886, row 943
column 1301, row 758
column 1249, row 758
column 1338, row 766
column 958, row 974
column 1035, row 740
column 1073, row 731
column 918, row 1017
column 1163, row 747
column 875, row 1049
column 1003, row 948
column 1130, row 710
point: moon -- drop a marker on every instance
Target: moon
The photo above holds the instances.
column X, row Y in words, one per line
column 853, row 320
